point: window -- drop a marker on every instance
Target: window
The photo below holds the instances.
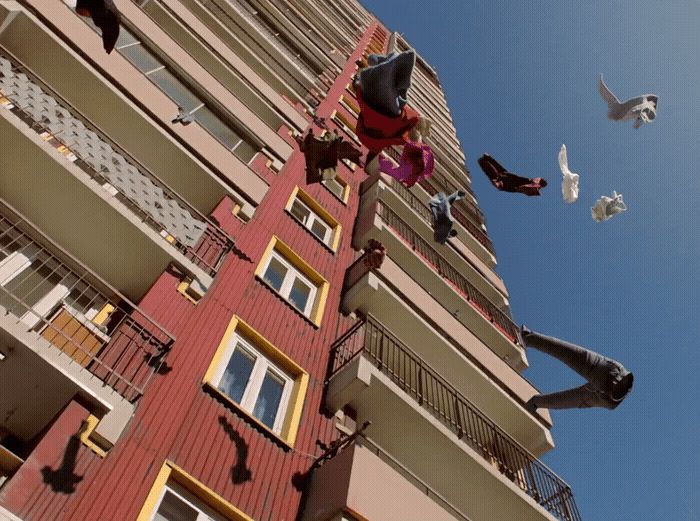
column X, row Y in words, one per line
column 177, row 496
column 345, row 125
column 314, row 218
column 255, row 383
column 234, row 139
column 251, row 374
column 349, row 105
column 338, row 187
column 294, row 279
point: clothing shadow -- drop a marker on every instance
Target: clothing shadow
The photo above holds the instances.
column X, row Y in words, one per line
column 240, row 473
column 64, row 479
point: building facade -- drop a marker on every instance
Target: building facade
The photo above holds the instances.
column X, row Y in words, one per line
column 189, row 331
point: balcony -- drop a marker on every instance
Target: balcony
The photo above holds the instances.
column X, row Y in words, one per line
column 414, row 410
column 152, row 223
column 463, row 252
column 72, row 318
column 348, row 476
column 451, row 290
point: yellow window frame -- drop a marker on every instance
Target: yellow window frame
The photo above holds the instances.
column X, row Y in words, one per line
column 322, row 285
column 290, row 426
column 172, row 472
column 332, row 222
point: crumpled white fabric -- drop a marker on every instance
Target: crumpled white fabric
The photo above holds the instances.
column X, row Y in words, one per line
column 605, row 207
column 569, row 183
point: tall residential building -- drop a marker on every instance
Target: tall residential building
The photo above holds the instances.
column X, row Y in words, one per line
column 189, row 331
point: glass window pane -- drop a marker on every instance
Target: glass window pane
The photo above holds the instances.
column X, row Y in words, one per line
column 269, row 399
column 335, row 187
column 299, row 295
column 172, row 508
column 140, row 58
column 237, row 374
column 246, row 151
column 175, row 89
column 125, row 38
column 274, row 275
column 319, row 229
column 225, row 134
column 300, row 211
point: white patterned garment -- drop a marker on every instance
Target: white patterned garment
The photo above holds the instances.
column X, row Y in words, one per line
column 605, row 207
column 569, row 183
column 642, row 109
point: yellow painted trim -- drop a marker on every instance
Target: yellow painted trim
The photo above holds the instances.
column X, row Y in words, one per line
column 290, row 425
column 103, row 314
column 349, row 104
column 182, row 289
column 171, row 471
column 92, row 422
column 305, row 268
column 316, row 207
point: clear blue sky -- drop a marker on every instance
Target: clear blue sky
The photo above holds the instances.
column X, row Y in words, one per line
column 521, row 79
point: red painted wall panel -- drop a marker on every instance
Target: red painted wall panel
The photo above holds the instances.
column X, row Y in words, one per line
column 177, row 419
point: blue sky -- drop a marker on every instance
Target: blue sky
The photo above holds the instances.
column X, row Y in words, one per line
column 521, row 79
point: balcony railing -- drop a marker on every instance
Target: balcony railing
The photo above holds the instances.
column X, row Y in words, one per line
column 500, row 319
column 73, row 134
column 424, row 211
column 53, row 295
column 414, row 376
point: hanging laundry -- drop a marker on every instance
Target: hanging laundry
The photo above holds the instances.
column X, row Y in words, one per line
column 642, row 109
column 417, row 163
column 385, row 82
column 608, row 380
column 375, row 252
column 184, row 117
column 569, row 184
column 322, row 155
column 377, row 131
column 440, row 206
column 104, row 14
column 508, row 182
column 606, row 207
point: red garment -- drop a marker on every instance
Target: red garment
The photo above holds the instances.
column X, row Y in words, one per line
column 508, row 182
column 377, row 131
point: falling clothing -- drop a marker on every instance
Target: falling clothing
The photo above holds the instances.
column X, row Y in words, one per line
column 605, row 207
column 183, row 117
column 608, row 381
column 642, row 109
column 569, row 183
column 442, row 217
column 377, row 131
column 386, row 81
column 104, row 15
column 322, row 155
column 375, row 252
column 507, row 182
column 417, row 163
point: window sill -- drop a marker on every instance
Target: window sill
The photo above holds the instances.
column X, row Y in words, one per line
column 231, row 404
column 335, row 195
column 296, row 310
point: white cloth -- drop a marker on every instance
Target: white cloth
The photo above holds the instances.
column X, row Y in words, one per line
column 569, row 184
column 642, row 109
column 605, row 207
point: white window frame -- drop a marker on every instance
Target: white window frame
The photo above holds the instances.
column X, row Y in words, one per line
column 288, row 281
column 313, row 217
column 252, row 390
column 340, row 197
column 204, row 512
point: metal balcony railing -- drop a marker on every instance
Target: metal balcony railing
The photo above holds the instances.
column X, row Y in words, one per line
column 148, row 197
column 471, row 294
column 424, row 211
column 52, row 294
column 414, row 376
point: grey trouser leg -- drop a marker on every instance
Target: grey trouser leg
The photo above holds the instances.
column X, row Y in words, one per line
column 581, row 360
column 576, row 398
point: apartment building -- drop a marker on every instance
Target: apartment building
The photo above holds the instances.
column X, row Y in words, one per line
column 189, row 331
